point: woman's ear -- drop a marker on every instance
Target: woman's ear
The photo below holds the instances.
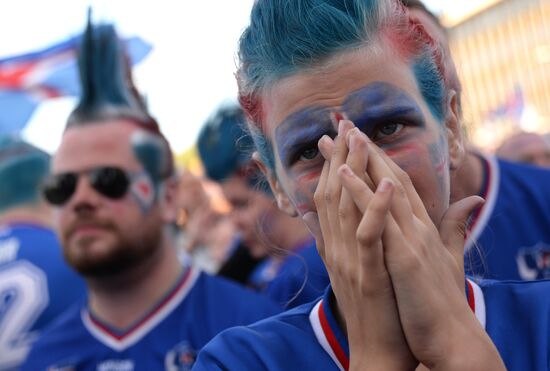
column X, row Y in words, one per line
column 454, row 133
column 283, row 202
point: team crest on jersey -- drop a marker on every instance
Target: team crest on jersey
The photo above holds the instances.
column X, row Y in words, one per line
column 180, row 358
column 116, row 365
column 534, row 262
column 62, row 367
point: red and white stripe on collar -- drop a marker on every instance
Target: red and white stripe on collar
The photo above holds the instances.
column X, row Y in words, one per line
column 476, row 301
column 327, row 339
column 481, row 218
column 136, row 332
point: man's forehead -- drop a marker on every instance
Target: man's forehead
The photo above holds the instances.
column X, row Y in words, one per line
column 103, row 143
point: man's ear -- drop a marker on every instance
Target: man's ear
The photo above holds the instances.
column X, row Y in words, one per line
column 167, row 193
column 283, row 202
column 454, row 133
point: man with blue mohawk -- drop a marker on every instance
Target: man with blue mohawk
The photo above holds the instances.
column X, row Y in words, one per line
column 36, row 284
column 113, row 190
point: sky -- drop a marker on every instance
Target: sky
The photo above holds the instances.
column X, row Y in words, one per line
column 189, row 73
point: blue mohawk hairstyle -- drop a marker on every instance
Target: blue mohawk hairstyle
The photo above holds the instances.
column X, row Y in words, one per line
column 106, row 81
column 23, row 168
column 108, row 93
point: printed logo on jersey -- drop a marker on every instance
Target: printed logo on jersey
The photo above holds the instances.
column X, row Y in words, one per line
column 180, row 358
column 62, row 366
column 9, row 249
column 116, row 365
column 534, row 262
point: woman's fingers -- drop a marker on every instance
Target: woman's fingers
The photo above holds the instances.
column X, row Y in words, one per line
column 452, row 228
column 404, row 181
column 321, row 230
column 333, row 189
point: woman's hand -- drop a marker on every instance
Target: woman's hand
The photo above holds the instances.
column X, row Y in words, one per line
column 351, row 246
column 426, row 270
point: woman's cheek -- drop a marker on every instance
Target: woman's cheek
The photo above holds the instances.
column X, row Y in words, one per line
column 305, row 186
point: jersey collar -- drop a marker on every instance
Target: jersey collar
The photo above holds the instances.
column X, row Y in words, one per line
column 332, row 339
column 120, row 340
column 480, row 218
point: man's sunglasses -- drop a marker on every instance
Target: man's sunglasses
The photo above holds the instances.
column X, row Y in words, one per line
column 111, row 182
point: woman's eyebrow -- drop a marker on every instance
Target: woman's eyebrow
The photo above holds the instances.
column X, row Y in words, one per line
column 302, row 127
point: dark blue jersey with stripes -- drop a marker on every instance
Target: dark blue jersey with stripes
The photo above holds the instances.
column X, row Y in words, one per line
column 514, row 314
column 198, row 307
column 509, row 238
column 36, row 285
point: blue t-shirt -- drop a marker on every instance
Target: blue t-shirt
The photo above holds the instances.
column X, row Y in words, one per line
column 167, row 338
column 514, row 314
column 512, row 229
column 36, row 285
column 300, row 278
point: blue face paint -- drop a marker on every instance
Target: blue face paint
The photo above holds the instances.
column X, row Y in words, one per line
column 150, row 152
column 430, row 85
column 264, row 147
column 299, row 133
column 379, row 106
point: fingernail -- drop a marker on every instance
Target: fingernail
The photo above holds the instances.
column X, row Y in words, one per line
column 384, row 185
column 346, row 170
column 323, row 146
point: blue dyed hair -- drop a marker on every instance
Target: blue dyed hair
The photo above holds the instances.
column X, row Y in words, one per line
column 23, row 168
column 225, row 147
column 287, row 37
column 108, row 93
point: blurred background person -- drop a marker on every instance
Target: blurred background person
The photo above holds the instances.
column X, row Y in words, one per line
column 113, row 188
column 509, row 236
column 527, row 148
column 36, row 284
column 293, row 273
column 206, row 233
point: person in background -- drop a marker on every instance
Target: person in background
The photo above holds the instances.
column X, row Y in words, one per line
column 358, row 131
column 294, row 273
column 508, row 237
column 527, row 148
column 205, row 231
column 113, row 188
column 36, row 284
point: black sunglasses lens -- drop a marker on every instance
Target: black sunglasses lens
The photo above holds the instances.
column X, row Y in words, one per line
column 110, row 182
column 59, row 188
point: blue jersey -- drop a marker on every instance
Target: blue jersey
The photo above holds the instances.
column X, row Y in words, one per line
column 509, row 237
column 198, row 307
column 300, row 278
column 514, row 314
column 36, row 285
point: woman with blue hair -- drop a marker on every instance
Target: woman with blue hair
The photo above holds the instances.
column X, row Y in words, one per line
column 358, row 132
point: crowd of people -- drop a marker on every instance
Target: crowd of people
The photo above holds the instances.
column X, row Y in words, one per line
column 343, row 221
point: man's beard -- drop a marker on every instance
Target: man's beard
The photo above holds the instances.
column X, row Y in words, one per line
column 128, row 252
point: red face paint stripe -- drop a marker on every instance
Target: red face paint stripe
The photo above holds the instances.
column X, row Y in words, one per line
column 336, row 348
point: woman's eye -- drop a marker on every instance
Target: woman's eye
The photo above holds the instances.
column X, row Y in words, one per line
column 386, row 130
column 309, row 153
